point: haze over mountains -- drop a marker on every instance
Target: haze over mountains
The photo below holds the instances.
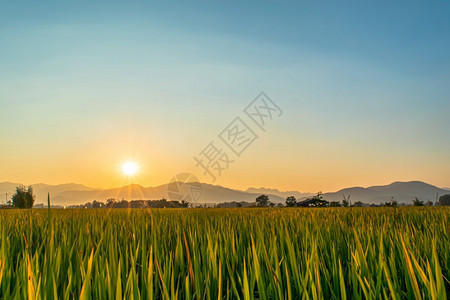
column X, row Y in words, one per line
column 276, row 192
column 73, row 194
column 401, row 191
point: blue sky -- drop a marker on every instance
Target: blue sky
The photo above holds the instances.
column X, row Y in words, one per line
column 364, row 86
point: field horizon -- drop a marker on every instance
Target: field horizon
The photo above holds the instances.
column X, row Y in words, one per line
column 75, row 194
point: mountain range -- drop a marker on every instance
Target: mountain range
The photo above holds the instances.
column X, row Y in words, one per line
column 403, row 192
column 73, row 194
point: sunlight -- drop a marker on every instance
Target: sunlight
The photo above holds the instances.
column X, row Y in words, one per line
column 129, row 168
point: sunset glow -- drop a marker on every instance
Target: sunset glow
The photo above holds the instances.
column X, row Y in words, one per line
column 94, row 96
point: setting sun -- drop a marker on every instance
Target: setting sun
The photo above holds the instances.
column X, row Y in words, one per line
column 129, row 168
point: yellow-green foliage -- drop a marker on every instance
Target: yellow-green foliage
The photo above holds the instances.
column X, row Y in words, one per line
column 265, row 253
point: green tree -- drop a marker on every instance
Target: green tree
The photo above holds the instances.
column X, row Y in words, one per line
column 23, row 197
column 444, row 200
column 262, row 201
column 335, row 204
column 291, row 201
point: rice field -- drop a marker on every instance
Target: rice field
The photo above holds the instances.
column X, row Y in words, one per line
column 267, row 253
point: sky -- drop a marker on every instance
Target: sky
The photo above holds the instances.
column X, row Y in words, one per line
column 364, row 90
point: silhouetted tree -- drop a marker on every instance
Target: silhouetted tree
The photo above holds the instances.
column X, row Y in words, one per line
column 346, row 201
column 184, row 203
column 97, row 204
column 417, row 202
column 110, row 202
column 23, row 198
column 444, row 200
column 319, row 196
column 291, row 201
column 262, row 201
column 335, row 204
column 358, row 204
column 393, row 202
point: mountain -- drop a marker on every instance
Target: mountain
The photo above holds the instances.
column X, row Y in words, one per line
column 72, row 194
column 210, row 194
column 222, row 194
column 278, row 193
column 401, row 191
column 40, row 190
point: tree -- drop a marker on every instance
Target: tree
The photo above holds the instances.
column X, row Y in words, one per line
column 358, row 204
column 417, row 202
column 335, row 204
column 110, row 202
column 444, row 200
column 184, row 203
column 23, row 198
column 319, row 196
column 429, row 203
column 291, row 201
column 393, row 202
column 97, row 204
column 346, row 201
column 262, row 201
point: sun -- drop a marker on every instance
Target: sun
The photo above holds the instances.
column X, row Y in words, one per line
column 129, row 168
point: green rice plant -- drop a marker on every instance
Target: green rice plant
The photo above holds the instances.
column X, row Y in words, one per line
column 251, row 253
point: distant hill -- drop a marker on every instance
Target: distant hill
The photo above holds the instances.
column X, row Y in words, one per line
column 278, row 193
column 210, row 194
column 41, row 190
column 222, row 194
column 401, row 191
column 74, row 194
